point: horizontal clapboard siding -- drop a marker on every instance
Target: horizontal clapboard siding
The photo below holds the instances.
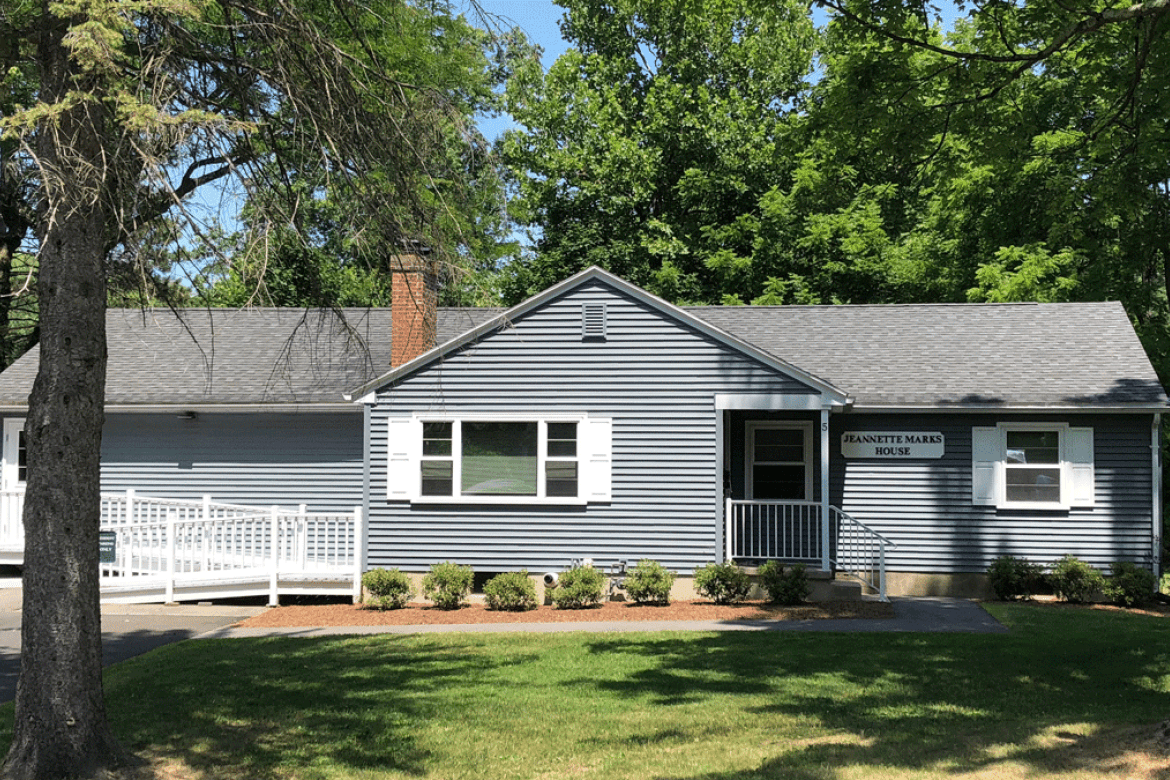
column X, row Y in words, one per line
column 652, row 375
column 256, row 459
column 925, row 506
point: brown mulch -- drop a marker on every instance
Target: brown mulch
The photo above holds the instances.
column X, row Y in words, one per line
column 421, row 614
column 1160, row 607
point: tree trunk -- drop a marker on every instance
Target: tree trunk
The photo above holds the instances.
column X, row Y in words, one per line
column 61, row 728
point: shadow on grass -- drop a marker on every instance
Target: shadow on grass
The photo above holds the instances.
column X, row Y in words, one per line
column 1052, row 695
column 1058, row 694
column 276, row 707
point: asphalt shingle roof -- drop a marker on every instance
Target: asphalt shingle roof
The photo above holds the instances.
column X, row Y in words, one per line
column 248, row 356
column 1017, row 354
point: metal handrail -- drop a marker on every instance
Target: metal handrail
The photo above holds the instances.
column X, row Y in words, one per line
column 876, row 563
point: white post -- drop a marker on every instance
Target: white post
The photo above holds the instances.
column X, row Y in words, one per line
column 882, row 572
column 825, row 530
column 206, row 529
column 302, row 537
column 727, row 532
column 358, row 563
column 171, row 525
column 129, row 518
column 273, row 598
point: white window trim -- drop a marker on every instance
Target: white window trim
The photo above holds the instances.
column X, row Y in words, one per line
column 750, row 454
column 989, row 462
column 10, row 465
column 594, row 456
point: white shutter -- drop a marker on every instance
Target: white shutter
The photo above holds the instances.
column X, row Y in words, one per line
column 986, row 461
column 403, row 448
column 1078, row 453
column 596, row 459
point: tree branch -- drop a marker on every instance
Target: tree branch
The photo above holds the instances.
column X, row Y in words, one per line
column 1091, row 23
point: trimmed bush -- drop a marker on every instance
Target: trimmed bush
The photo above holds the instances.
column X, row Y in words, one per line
column 388, row 588
column 723, row 583
column 788, row 586
column 512, row 591
column 447, row 584
column 1131, row 585
column 649, row 582
column 1015, row 578
column 1075, row 581
column 579, row 588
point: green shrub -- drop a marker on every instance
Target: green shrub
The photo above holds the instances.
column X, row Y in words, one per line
column 579, row 588
column 788, row 586
column 1015, row 578
column 1131, row 585
column 1075, row 581
column 388, row 588
column 649, row 582
column 723, row 583
column 512, row 591
column 447, row 584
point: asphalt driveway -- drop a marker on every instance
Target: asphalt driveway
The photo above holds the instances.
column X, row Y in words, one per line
column 127, row 629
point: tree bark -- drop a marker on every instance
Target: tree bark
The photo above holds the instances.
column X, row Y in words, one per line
column 61, row 728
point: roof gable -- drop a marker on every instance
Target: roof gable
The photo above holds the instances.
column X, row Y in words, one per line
column 593, row 275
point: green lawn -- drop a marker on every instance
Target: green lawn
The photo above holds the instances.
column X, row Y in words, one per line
column 1067, row 693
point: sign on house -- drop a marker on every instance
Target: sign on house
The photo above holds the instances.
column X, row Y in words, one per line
column 107, row 546
column 892, row 444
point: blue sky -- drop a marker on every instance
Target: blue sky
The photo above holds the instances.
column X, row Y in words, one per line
column 538, row 19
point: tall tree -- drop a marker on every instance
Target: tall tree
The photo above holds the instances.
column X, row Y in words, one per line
column 647, row 145
column 1036, row 137
column 137, row 106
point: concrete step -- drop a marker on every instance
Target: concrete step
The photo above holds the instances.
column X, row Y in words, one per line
column 836, row 590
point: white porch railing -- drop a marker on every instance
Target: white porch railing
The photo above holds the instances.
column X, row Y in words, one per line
column 793, row 531
column 787, row 530
column 167, row 549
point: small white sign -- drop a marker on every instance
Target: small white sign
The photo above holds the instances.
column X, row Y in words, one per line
column 892, row 444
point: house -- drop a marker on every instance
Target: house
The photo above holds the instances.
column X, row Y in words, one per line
column 596, row 420
column 909, row 444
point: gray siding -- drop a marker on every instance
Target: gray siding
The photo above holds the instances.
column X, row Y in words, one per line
column 653, row 376
column 925, row 506
column 260, row 459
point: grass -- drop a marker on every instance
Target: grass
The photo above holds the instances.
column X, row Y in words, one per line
column 1067, row 693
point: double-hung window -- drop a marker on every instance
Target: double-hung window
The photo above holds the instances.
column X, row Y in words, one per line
column 780, row 460
column 1032, row 466
column 499, row 460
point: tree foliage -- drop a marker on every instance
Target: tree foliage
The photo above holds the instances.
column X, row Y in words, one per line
column 1022, row 153
column 647, row 146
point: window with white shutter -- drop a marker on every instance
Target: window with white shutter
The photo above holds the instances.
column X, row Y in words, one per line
column 493, row 459
column 1032, row 466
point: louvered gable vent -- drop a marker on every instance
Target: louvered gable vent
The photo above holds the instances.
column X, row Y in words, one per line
column 593, row 321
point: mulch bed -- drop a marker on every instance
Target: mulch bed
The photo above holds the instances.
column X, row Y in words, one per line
column 422, row 614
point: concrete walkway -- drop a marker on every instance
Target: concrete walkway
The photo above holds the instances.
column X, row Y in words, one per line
column 914, row 615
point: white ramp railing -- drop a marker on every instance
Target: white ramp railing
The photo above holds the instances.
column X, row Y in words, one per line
column 165, row 545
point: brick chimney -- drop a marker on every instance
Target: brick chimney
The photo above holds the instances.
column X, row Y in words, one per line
column 414, row 296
